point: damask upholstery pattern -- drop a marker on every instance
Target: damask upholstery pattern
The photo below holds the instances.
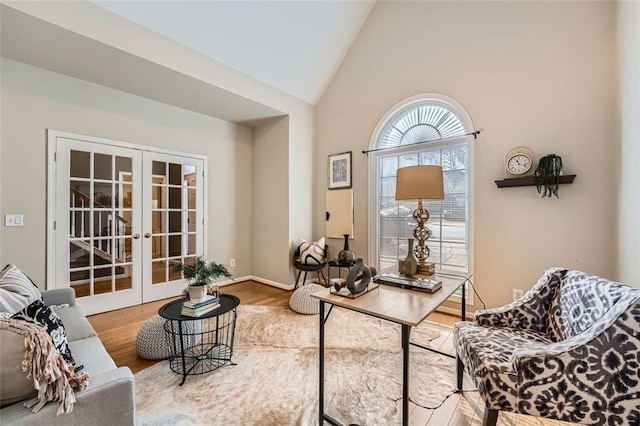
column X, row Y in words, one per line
column 590, row 375
column 531, row 311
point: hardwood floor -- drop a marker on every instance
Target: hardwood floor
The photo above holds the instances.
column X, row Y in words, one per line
column 118, row 329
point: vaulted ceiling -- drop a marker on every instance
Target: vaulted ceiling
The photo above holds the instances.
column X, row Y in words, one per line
column 294, row 46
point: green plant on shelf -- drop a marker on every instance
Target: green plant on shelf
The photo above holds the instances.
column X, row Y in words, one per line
column 548, row 175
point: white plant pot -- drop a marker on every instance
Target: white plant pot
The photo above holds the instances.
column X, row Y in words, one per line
column 197, row 293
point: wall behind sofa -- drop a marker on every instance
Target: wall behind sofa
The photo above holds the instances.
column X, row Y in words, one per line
column 539, row 74
column 34, row 99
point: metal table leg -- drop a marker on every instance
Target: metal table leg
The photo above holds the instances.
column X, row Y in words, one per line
column 406, row 331
column 321, row 363
column 182, row 354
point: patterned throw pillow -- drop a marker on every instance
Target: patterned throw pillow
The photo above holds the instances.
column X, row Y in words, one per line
column 16, row 290
column 311, row 253
column 40, row 314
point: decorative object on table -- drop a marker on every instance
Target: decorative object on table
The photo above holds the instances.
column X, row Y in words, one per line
column 302, row 302
column 548, row 175
column 410, row 264
column 214, row 290
column 339, row 170
column 346, row 255
column 310, row 257
column 518, row 162
column 200, row 274
column 421, row 284
column 357, row 282
column 420, row 183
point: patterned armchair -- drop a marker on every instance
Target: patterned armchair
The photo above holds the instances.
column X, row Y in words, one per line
column 569, row 349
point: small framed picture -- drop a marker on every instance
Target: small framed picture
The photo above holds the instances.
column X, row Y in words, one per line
column 339, row 170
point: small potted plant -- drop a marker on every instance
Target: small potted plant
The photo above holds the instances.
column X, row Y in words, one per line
column 200, row 275
column 548, row 175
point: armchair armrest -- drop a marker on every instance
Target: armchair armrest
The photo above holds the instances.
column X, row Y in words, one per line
column 528, row 312
column 59, row 296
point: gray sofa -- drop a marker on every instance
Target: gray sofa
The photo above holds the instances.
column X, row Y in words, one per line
column 110, row 397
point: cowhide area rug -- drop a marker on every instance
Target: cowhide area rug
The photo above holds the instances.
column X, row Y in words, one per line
column 275, row 381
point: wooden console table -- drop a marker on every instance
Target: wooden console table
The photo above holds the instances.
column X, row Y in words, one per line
column 408, row 308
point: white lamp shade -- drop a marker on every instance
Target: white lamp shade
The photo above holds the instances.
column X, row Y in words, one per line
column 419, row 183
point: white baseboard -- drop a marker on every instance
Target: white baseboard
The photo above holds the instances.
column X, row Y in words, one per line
column 268, row 282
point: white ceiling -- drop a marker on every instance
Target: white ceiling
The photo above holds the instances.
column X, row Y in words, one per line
column 295, row 46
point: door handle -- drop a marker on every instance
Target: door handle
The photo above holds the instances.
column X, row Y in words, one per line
column 147, row 235
column 136, row 236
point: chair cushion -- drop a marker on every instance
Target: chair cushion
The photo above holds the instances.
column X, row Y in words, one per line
column 311, row 253
column 581, row 300
column 486, row 352
column 16, row 290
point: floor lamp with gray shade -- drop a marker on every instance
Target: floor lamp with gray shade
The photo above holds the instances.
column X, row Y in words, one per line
column 420, row 183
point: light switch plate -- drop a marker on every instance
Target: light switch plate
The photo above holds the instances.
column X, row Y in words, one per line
column 13, row 220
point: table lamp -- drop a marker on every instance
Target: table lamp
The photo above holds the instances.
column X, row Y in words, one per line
column 420, row 183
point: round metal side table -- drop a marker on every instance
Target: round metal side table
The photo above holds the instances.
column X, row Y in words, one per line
column 199, row 350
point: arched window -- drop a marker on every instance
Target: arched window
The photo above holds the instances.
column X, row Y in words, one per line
column 418, row 119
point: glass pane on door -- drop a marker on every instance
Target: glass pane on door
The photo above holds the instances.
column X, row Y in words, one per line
column 100, row 212
column 173, row 214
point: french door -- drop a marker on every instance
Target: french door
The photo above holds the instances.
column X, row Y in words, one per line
column 122, row 217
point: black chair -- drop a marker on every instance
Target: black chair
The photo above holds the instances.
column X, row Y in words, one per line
column 305, row 267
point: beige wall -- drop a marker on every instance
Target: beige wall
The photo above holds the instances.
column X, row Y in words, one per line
column 629, row 174
column 34, row 100
column 539, row 74
column 270, row 200
column 93, row 22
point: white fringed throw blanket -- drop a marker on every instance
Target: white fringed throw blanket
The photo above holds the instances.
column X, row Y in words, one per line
column 52, row 377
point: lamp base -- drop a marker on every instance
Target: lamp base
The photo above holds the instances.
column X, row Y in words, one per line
column 428, row 268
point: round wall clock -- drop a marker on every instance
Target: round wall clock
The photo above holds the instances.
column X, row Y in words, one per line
column 518, row 161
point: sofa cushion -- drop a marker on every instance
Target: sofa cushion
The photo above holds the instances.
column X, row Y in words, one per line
column 39, row 313
column 91, row 353
column 16, row 290
column 14, row 385
column 75, row 323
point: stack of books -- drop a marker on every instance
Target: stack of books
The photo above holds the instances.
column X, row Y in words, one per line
column 428, row 268
column 190, row 309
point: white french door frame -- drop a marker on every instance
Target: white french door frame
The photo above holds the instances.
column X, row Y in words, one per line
column 52, row 258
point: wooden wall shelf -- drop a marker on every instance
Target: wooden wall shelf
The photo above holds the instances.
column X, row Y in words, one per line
column 529, row 181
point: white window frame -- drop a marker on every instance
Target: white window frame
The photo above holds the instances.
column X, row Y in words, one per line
column 397, row 110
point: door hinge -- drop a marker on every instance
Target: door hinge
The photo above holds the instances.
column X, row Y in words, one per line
column 54, row 225
column 203, row 173
column 203, row 221
column 55, row 156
